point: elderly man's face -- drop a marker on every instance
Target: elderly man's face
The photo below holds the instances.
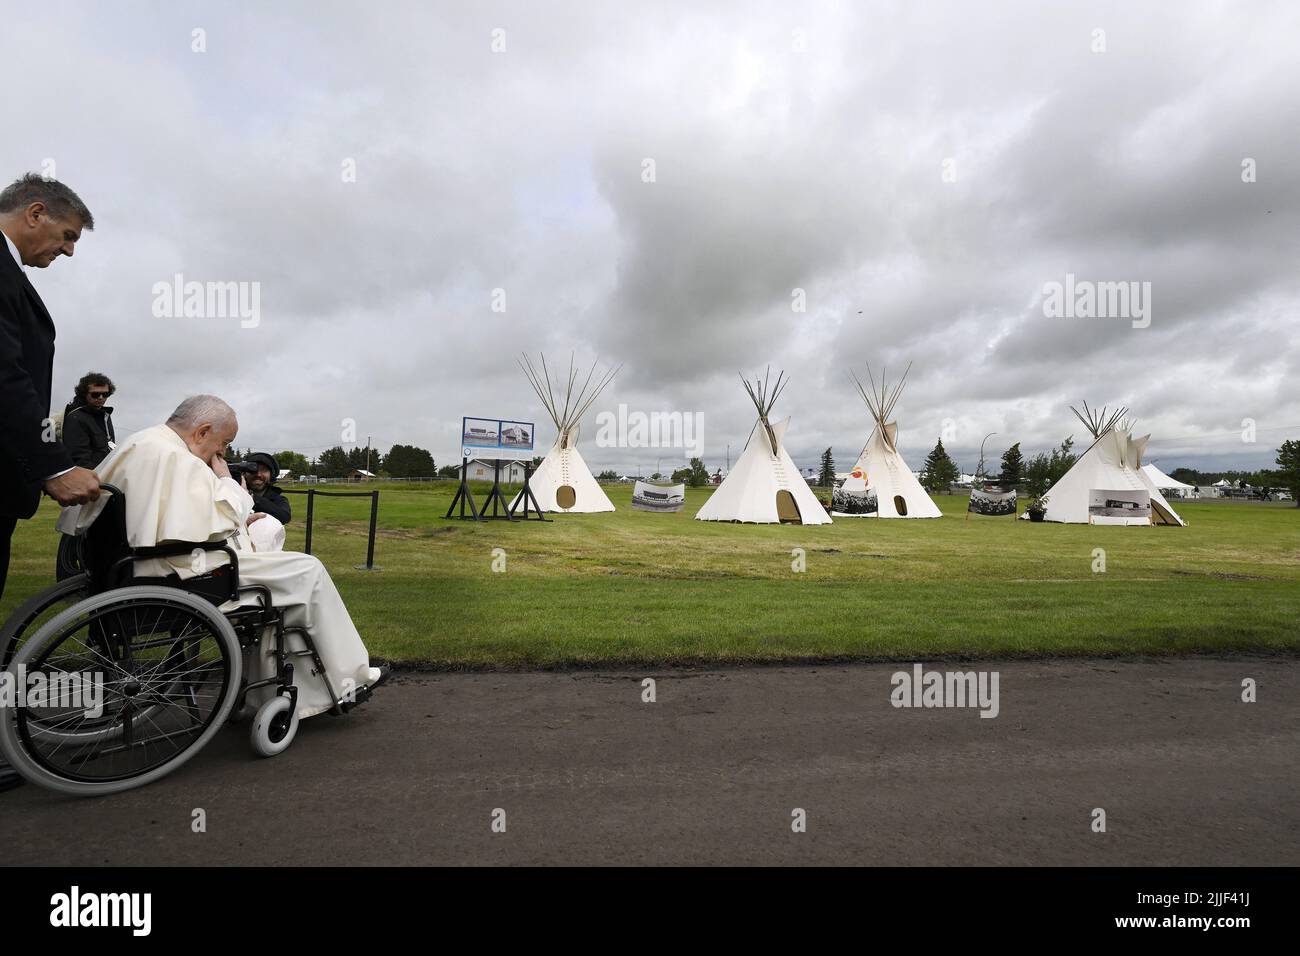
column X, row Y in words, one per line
column 208, row 440
column 47, row 238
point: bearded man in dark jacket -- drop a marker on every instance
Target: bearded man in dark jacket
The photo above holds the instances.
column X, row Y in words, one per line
column 267, row 498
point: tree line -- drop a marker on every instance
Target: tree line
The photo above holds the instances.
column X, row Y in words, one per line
column 402, row 461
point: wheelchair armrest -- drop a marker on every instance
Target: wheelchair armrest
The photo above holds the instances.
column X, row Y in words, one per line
column 176, row 548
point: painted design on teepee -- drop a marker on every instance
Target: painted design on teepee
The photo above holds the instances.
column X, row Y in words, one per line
column 880, row 469
column 765, row 486
column 563, row 482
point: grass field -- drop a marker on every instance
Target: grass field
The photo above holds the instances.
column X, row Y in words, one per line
column 652, row 588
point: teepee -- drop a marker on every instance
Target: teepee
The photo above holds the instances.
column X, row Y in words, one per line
column 563, row 482
column 1164, row 482
column 765, row 487
column 880, row 471
column 1107, row 481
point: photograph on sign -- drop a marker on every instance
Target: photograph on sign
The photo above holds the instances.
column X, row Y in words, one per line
column 648, row 497
column 992, row 502
column 517, row 435
column 480, row 432
column 1121, row 506
column 496, row 438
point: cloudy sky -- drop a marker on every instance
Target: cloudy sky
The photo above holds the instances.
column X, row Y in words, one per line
column 651, row 185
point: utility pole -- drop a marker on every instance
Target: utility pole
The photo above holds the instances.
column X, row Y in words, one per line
column 367, row 453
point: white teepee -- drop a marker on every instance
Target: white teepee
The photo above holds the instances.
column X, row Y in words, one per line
column 880, row 470
column 563, row 482
column 1113, row 463
column 1164, row 482
column 765, row 486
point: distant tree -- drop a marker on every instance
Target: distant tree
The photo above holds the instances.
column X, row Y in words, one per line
column 1045, row 470
column 1288, row 471
column 1013, row 465
column 408, row 461
column 680, row 474
column 449, row 471
column 940, row 470
column 607, row 475
column 1061, row 460
column 827, row 477
column 656, row 477
column 333, row 463
column 1038, row 475
column 364, row 457
column 537, row 460
column 296, row 463
column 697, row 474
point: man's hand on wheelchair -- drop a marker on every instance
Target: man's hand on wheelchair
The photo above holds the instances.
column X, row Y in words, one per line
column 76, row 487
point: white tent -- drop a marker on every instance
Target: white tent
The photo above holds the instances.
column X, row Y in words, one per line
column 1164, row 482
column 880, row 470
column 563, row 482
column 1108, row 479
column 765, row 485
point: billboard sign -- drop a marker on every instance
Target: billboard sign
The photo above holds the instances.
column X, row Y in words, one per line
column 490, row 438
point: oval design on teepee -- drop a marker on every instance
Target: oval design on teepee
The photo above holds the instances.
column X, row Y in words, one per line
column 566, row 497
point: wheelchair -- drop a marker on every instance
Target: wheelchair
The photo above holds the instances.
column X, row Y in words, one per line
column 169, row 664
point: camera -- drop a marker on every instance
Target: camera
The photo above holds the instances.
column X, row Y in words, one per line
column 238, row 468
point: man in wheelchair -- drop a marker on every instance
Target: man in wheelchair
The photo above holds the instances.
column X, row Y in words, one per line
column 177, row 488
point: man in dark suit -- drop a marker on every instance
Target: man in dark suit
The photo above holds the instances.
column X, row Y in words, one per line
column 40, row 220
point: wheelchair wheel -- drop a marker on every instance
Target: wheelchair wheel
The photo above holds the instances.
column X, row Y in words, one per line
column 36, row 610
column 168, row 667
column 274, row 727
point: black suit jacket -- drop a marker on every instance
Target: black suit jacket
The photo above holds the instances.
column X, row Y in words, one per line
column 26, row 370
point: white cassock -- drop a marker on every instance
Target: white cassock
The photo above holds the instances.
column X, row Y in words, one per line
column 172, row 495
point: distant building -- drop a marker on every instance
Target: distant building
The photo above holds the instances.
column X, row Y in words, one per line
column 360, row 474
column 512, row 472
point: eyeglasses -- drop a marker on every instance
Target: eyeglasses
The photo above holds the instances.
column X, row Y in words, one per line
column 100, row 394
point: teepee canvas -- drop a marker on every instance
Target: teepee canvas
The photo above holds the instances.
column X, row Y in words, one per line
column 563, row 482
column 880, row 473
column 765, row 487
column 1107, row 484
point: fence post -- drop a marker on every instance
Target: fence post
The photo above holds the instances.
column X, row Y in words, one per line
column 370, row 544
column 311, row 499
